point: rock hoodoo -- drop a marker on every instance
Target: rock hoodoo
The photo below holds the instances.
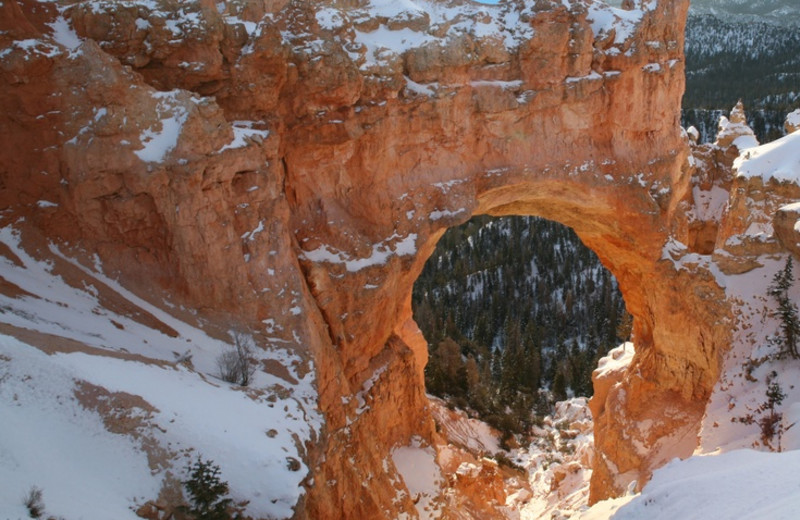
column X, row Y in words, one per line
column 292, row 164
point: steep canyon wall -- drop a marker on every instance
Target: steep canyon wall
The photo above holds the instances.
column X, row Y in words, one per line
column 292, row 164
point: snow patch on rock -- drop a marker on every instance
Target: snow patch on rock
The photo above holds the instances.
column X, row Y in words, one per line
column 159, row 139
column 779, row 160
column 416, row 463
column 382, row 252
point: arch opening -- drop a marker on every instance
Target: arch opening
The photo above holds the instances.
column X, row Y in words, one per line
column 516, row 312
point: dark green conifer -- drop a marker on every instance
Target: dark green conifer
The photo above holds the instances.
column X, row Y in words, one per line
column 787, row 310
column 207, row 492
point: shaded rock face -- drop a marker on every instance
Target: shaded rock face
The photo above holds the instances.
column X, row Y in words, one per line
column 292, row 165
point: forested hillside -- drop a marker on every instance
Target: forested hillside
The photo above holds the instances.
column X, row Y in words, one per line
column 756, row 62
column 783, row 12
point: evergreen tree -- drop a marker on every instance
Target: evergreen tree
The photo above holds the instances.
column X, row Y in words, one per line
column 787, row 310
column 559, row 386
column 624, row 328
column 207, row 492
column 531, row 359
column 770, row 422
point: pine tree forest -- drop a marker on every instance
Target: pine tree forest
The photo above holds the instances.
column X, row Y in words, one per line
column 726, row 61
column 517, row 312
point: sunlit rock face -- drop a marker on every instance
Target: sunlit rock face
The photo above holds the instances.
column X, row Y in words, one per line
column 294, row 163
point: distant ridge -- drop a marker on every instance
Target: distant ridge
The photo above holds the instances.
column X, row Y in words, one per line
column 781, row 12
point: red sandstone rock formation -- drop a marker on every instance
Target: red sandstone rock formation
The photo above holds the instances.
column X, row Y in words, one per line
column 293, row 164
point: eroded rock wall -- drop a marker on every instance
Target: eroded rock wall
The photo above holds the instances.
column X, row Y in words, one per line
column 294, row 163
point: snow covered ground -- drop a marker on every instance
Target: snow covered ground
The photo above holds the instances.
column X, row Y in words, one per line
column 472, row 434
column 753, row 361
column 726, row 486
column 558, row 462
column 106, row 398
column 417, row 465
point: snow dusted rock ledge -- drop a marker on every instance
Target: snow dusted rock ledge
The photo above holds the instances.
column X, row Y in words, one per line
column 767, row 184
column 792, row 122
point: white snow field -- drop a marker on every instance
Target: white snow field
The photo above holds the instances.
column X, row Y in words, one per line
column 741, row 484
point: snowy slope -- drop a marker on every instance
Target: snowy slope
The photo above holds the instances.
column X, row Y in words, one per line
column 736, row 485
column 779, row 160
column 753, row 357
column 106, row 398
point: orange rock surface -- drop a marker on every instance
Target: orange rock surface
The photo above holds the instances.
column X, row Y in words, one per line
column 269, row 161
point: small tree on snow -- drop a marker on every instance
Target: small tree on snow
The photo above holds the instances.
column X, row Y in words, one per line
column 207, row 492
column 770, row 422
column 787, row 310
column 235, row 364
column 770, row 419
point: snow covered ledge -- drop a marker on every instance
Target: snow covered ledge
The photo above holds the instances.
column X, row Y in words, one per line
column 762, row 221
column 777, row 165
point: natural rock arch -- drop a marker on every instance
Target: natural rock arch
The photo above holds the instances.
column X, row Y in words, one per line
column 571, row 141
column 318, row 222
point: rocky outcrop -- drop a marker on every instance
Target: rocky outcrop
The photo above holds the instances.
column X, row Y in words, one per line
column 734, row 131
column 785, row 223
column 792, row 123
column 786, row 218
column 292, row 165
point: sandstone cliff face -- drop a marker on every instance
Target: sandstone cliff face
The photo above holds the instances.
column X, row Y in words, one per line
column 292, row 165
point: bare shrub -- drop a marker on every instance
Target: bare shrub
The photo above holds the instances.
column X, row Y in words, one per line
column 236, row 364
column 34, row 502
